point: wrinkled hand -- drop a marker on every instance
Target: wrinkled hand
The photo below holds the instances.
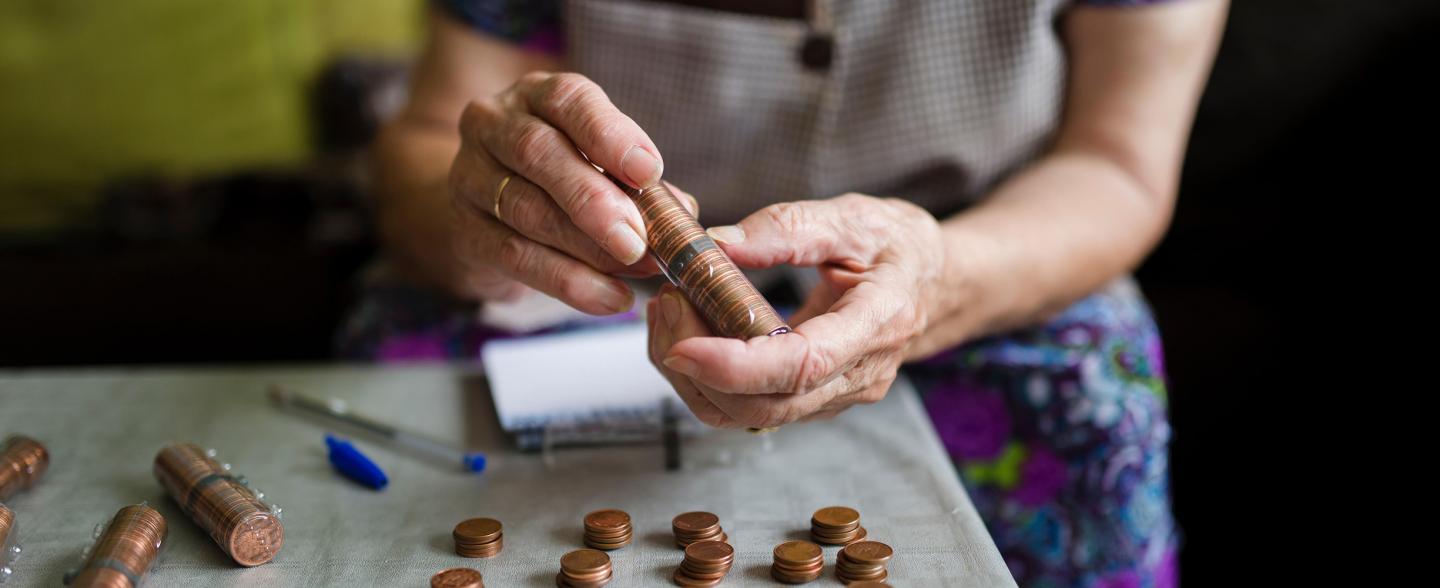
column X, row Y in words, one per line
column 879, row 260
column 560, row 226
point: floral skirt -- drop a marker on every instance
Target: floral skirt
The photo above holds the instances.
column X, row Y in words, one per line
column 1059, row 432
column 1061, row 437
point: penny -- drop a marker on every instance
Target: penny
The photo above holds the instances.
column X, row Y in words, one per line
column 457, row 578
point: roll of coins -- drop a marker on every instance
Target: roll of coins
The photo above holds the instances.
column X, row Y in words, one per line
column 862, row 561
column 22, row 461
column 692, row 261
column 836, row 525
column 457, row 578
column 705, row 564
column 246, row 529
column 584, row 568
column 607, row 529
column 690, row 527
column 124, row 551
column 797, row 562
column 478, row 538
column 7, row 536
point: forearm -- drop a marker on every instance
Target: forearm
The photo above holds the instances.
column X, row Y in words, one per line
column 414, row 152
column 413, row 214
column 1099, row 201
column 1051, row 235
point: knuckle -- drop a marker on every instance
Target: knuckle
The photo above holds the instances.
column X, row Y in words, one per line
column 789, row 217
column 563, row 90
column 534, row 142
column 532, row 79
column 586, row 202
column 815, row 368
column 477, row 116
column 515, row 255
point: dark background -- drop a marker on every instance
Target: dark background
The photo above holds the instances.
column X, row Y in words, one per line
column 1305, row 118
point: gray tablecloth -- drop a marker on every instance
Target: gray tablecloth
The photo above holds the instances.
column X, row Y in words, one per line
column 103, row 428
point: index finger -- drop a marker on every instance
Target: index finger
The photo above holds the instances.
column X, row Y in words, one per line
column 606, row 136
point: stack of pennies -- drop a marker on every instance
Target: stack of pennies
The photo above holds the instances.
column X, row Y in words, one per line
column 584, row 568
column 696, row 526
column 22, row 461
column 836, row 525
column 607, row 529
column 123, row 552
column 797, row 562
column 457, row 578
column 863, row 560
column 478, row 538
column 224, row 506
column 7, row 522
column 705, row 564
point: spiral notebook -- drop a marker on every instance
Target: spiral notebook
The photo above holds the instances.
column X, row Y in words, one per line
column 588, row 386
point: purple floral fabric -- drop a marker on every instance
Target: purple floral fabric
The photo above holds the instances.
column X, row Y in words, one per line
column 1061, row 436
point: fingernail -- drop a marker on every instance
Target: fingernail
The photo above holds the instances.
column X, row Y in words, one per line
column 616, row 297
column 726, row 234
column 681, row 364
column 626, row 244
column 641, row 167
column 670, row 308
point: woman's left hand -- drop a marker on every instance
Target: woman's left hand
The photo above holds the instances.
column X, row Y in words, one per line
column 880, row 260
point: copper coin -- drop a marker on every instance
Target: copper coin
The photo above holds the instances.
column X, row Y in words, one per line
column 798, row 551
column 883, row 575
column 836, row 517
column 584, row 561
column 457, row 578
column 695, row 522
column 607, row 519
column 478, row 530
column 688, row 582
column 869, row 552
column 710, row 551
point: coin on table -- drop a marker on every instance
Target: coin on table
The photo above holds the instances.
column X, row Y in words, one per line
column 479, row 530
column 837, row 517
column 584, row 561
column 607, row 519
column 695, row 522
column 868, row 552
column 457, row 578
column 798, row 551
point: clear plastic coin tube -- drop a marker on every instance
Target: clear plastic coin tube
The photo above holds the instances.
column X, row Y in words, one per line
column 224, row 506
column 692, row 261
column 9, row 542
column 123, row 551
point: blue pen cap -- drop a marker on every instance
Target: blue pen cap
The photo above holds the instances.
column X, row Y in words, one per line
column 474, row 462
column 353, row 464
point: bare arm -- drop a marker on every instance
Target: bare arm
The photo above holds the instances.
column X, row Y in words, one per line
column 414, row 151
column 1094, row 207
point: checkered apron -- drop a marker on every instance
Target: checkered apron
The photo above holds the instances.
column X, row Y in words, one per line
column 933, row 101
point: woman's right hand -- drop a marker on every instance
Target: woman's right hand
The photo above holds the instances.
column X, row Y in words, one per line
column 559, row 226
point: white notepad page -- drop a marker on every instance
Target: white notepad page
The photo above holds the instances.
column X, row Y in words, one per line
column 573, row 377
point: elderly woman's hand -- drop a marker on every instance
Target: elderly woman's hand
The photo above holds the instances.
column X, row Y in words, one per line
column 879, row 259
column 532, row 210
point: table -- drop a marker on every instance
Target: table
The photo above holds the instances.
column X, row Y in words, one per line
column 104, row 426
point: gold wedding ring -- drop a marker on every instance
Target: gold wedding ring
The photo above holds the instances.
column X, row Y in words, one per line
column 499, row 192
